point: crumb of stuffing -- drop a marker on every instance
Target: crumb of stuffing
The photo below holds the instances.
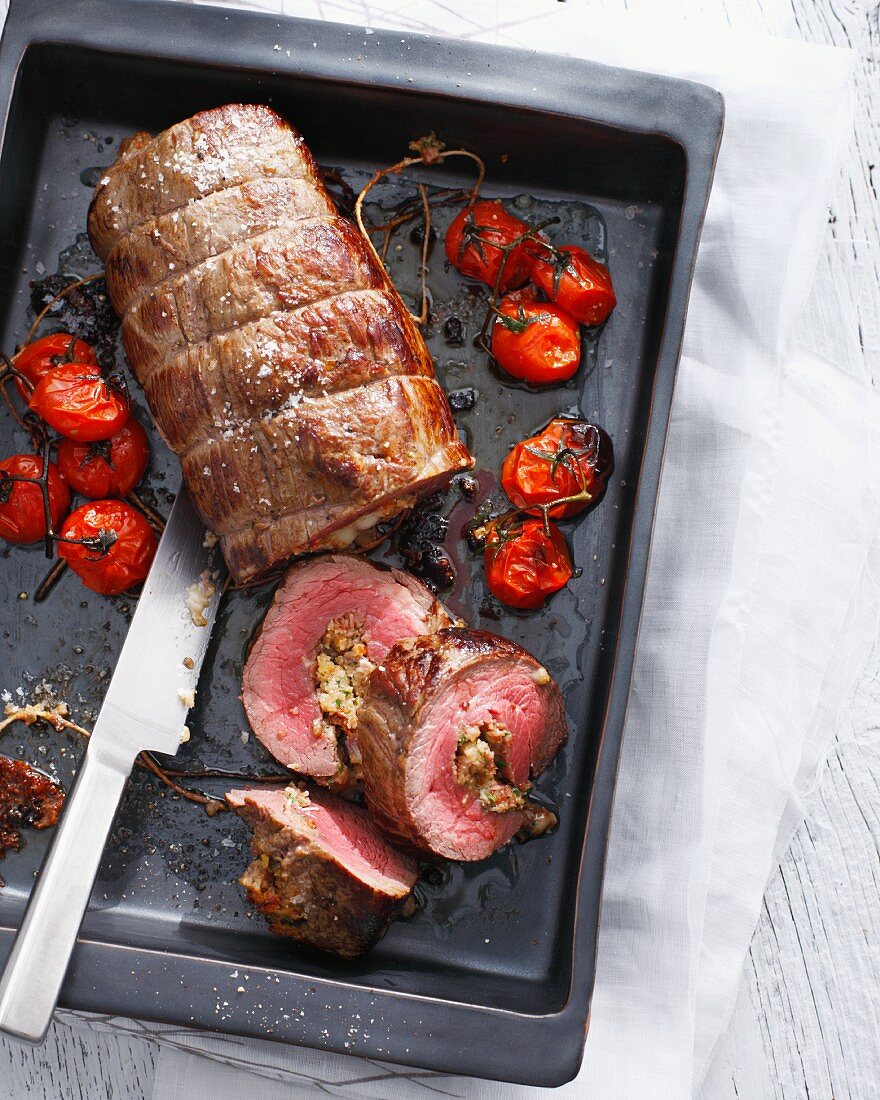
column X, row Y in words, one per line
column 199, row 596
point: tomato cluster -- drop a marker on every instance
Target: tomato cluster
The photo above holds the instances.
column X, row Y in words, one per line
column 102, row 453
column 533, row 339
column 558, row 473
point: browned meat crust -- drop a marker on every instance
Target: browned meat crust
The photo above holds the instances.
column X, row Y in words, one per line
column 282, row 269
column 339, row 343
column 178, row 241
column 356, row 447
column 212, row 150
column 270, row 340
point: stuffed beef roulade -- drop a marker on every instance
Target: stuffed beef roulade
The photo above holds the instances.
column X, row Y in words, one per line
column 451, row 728
column 332, row 621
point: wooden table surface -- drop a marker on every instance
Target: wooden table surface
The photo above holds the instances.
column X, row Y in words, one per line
column 808, row 1019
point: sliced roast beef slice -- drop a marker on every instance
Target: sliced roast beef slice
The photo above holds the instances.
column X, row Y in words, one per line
column 212, row 150
column 354, row 448
column 285, row 268
column 337, row 344
column 171, row 244
column 279, row 685
column 451, row 728
column 322, row 872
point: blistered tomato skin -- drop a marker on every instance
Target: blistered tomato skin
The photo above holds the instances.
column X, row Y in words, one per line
column 537, row 342
column 569, row 458
column 107, row 468
column 79, row 403
column 524, row 563
column 475, row 241
column 121, row 550
column 571, row 277
column 36, row 359
column 22, row 513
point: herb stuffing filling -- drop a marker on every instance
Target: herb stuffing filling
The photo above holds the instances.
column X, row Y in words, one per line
column 342, row 669
column 480, row 766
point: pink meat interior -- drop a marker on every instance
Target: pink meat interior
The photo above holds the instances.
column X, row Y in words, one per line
column 278, row 685
column 343, row 830
column 449, row 815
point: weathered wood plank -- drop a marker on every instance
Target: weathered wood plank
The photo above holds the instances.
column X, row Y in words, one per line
column 76, row 1064
column 812, row 978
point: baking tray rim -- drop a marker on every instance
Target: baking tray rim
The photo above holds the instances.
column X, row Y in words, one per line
column 536, row 1049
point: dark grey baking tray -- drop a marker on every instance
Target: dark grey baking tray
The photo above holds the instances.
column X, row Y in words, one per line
column 493, row 977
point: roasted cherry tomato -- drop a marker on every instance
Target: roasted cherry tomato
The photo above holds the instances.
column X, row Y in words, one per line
column 475, row 240
column 119, row 547
column 79, row 402
column 37, row 359
column 22, row 515
column 525, row 564
column 567, row 459
column 574, row 280
column 536, row 341
column 108, row 468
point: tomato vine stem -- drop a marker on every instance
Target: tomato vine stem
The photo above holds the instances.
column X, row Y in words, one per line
column 431, row 152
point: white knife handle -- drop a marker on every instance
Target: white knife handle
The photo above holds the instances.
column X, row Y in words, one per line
column 41, row 951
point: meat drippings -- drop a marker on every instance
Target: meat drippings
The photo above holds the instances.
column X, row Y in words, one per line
column 480, row 766
column 27, row 797
column 342, row 669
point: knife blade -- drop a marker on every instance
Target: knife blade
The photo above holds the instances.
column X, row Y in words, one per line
column 145, row 708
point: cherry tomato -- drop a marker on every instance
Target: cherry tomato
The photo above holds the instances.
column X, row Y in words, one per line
column 78, row 402
column 574, row 280
column 37, row 359
column 551, row 465
column 536, row 341
column 474, row 242
column 108, row 468
column 22, row 516
column 122, row 548
column 525, row 564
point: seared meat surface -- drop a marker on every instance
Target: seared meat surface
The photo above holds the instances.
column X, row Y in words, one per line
column 278, row 359
column 322, row 874
column 177, row 241
column 259, row 368
column 451, row 729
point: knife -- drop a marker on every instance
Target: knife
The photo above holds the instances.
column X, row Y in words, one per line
column 144, row 708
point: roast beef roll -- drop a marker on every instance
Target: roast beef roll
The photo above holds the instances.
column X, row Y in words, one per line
column 451, row 728
column 278, row 359
column 322, row 873
column 332, row 621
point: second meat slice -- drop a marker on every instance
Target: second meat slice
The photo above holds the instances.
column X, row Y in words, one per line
column 278, row 359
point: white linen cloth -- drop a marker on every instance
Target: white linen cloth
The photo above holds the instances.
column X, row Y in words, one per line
column 760, row 605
